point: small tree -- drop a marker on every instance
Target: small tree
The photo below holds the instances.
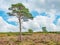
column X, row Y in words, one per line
column 44, row 29
column 30, row 30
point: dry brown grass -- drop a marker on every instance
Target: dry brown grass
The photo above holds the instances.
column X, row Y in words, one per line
column 33, row 39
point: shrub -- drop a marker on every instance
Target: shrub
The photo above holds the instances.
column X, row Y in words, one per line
column 30, row 30
column 44, row 29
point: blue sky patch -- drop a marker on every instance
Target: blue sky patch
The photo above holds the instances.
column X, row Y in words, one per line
column 34, row 13
column 57, row 17
column 43, row 14
column 5, row 17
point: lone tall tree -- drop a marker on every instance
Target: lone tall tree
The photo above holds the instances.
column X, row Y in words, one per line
column 21, row 12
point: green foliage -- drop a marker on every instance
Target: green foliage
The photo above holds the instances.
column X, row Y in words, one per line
column 27, row 33
column 44, row 29
column 12, row 33
column 30, row 30
column 20, row 10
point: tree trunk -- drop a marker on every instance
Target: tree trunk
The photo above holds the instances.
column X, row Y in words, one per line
column 20, row 29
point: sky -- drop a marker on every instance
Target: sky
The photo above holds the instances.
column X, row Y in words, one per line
column 46, row 13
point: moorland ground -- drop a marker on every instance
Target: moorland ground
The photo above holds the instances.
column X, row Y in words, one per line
column 35, row 38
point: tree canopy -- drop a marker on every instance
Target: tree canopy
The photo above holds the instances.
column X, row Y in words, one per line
column 20, row 10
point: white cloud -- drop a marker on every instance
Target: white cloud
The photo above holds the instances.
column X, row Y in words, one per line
column 52, row 14
column 36, row 24
column 5, row 27
column 58, row 25
column 13, row 18
column 40, row 21
column 32, row 4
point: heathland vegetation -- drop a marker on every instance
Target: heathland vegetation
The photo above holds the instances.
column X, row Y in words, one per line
column 30, row 38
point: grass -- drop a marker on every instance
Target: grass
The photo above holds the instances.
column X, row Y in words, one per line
column 35, row 38
column 25, row 33
column 2, row 34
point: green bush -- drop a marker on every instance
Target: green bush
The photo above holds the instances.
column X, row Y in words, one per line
column 30, row 30
column 44, row 29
